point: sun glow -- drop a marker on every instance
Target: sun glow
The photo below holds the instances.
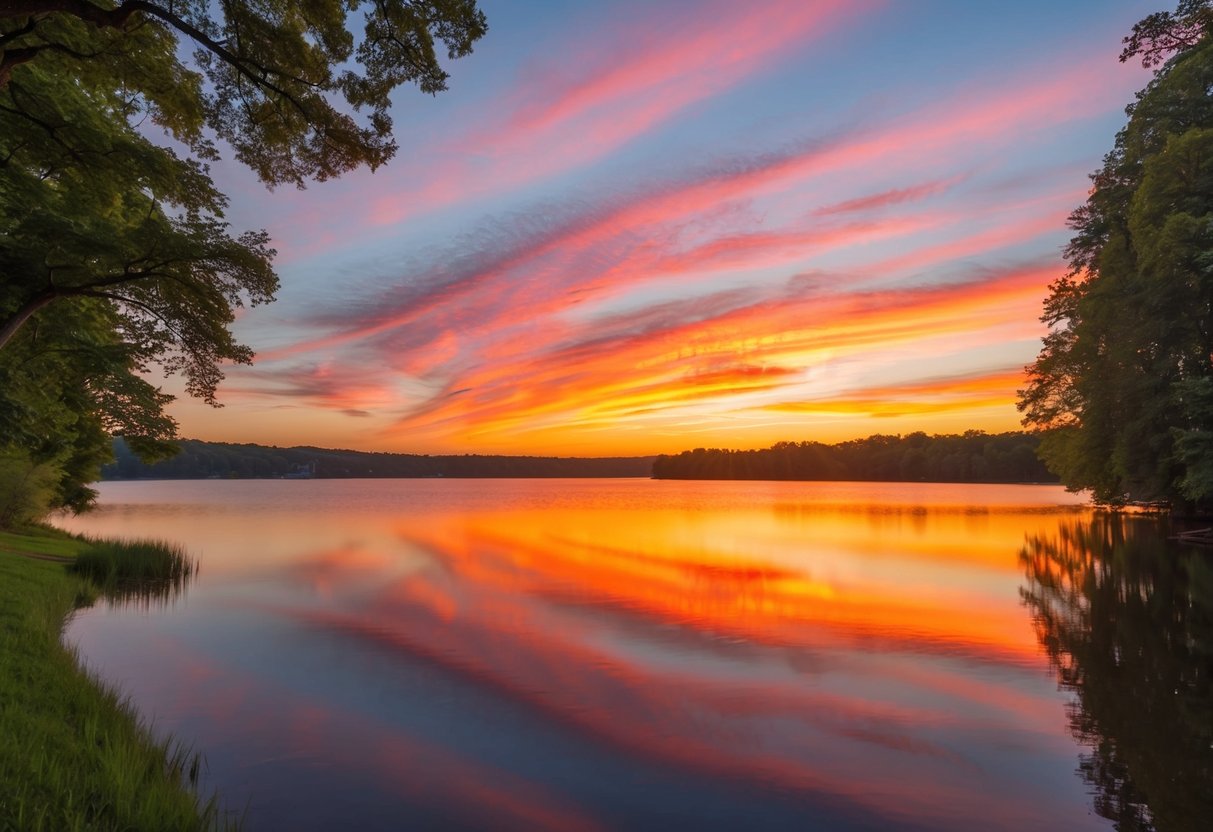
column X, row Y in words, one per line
column 603, row 262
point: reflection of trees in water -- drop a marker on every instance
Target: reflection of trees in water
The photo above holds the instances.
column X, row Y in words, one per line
column 1127, row 619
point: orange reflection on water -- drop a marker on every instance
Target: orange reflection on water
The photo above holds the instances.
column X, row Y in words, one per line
column 937, row 580
column 537, row 604
column 857, row 647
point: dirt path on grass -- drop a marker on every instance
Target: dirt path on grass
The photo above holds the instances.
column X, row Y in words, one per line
column 35, row 556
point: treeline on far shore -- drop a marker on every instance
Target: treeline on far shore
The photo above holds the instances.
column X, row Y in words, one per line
column 973, row 456
column 221, row 460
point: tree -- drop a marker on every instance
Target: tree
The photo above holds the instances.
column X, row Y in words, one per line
column 281, row 76
column 91, row 210
column 1118, row 384
column 116, row 254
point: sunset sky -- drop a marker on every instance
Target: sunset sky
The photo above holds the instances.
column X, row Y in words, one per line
column 643, row 227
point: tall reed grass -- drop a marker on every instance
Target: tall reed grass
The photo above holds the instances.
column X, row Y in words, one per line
column 108, row 561
column 141, row 572
column 74, row 755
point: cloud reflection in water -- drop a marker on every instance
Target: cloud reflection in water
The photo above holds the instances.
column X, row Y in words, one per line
column 646, row 656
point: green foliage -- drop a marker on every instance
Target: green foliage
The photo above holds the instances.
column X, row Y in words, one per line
column 1132, row 323
column 970, row 457
column 221, row 460
column 98, row 218
column 283, row 82
column 66, row 384
column 74, row 755
column 1161, row 34
column 117, row 259
column 27, row 488
column 1194, row 445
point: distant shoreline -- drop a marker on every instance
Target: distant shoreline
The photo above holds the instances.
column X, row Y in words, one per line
column 390, row 477
column 972, row 457
column 561, row 477
column 200, row 460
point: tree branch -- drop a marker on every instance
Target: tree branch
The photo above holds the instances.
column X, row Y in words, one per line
column 118, row 18
column 23, row 314
column 31, row 25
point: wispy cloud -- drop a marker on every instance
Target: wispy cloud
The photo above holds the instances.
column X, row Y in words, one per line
column 884, row 199
column 585, row 99
column 648, row 222
column 949, row 393
column 724, row 351
column 727, row 291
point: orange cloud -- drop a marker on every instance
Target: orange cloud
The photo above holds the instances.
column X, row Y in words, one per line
column 966, row 392
column 554, row 330
column 957, row 123
column 673, row 363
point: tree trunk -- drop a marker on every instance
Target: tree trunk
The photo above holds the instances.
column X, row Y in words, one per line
column 18, row 318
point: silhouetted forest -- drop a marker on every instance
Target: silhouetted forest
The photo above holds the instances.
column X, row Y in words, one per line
column 220, row 460
column 970, row 457
column 973, row 456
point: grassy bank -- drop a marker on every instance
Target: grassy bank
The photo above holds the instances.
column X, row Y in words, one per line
column 74, row 756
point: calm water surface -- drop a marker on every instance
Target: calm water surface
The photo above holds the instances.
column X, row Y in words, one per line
column 634, row 654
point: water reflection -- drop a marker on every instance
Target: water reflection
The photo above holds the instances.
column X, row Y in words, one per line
column 142, row 594
column 1127, row 619
column 606, row 655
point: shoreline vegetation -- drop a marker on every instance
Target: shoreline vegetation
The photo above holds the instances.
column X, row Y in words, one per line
column 974, row 456
column 76, row 755
column 196, row 459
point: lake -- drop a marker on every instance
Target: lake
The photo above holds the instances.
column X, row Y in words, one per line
column 635, row 654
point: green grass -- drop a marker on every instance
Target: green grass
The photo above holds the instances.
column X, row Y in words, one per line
column 42, row 541
column 114, row 561
column 73, row 753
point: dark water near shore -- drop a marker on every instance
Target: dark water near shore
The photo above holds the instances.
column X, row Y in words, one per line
column 634, row 654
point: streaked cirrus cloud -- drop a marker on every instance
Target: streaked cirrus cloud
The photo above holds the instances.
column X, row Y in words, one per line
column 670, row 225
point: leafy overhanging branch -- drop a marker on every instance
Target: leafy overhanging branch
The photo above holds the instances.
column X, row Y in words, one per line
column 273, row 93
column 117, row 257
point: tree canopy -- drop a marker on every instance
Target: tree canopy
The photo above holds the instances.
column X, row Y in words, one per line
column 281, row 81
column 916, row 457
column 1124, row 382
column 222, row 460
column 117, row 257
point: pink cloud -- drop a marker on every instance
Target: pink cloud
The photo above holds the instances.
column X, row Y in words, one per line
column 884, row 199
column 633, row 78
column 670, row 356
column 993, row 117
column 513, row 323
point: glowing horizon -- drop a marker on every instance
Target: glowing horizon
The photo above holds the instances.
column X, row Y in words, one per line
column 640, row 228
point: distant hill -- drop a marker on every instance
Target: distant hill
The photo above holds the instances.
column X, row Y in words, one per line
column 221, row 460
column 973, row 456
